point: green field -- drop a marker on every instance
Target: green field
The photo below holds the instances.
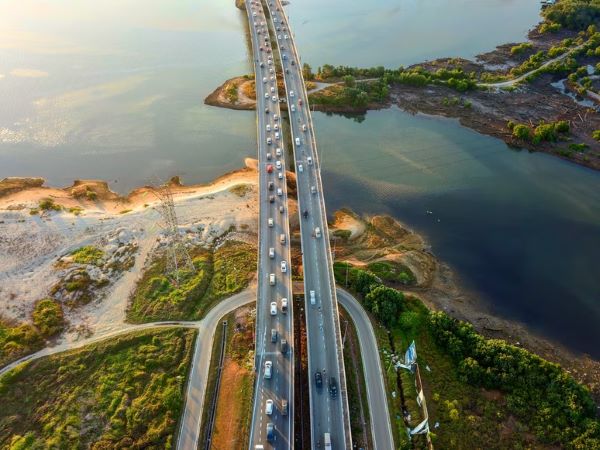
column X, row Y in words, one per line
column 125, row 392
column 219, row 273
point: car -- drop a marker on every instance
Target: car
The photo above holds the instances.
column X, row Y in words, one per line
column 318, row 379
column 274, row 99
column 300, row 168
column 273, row 335
column 281, row 209
column 254, row 14
column 284, row 301
column 266, row 95
column 293, row 63
column 279, row 192
column 277, row 135
column 333, row 387
column 270, row 221
column 260, row 48
column 272, row 71
column 269, row 168
column 278, row 165
column 297, row 141
column 267, row 111
column 271, row 198
column 284, row 346
column 305, row 213
column 262, row 64
column 299, row 102
column 279, row 37
column 272, row 89
column 268, row 50
column 269, row 156
column 283, row 266
column 278, row 28
column 280, row 175
column 276, row 127
column 313, row 298
column 269, row 407
column 268, row 127
column 286, row 70
column 282, row 48
column 271, row 252
column 309, row 160
column 285, row 36
column 269, row 141
column 317, row 232
column 264, row 79
column 270, row 62
column 282, row 239
column 284, row 407
column 268, row 369
column 304, row 127
column 313, row 190
column 278, row 151
column 293, row 108
column 273, row 306
column 272, row 279
column 292, row 94
column 270, row 432
column 271, row 185
column 258, row 32
column 275, row 117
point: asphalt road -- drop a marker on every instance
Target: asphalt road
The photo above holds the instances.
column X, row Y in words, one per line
column 273, row 225
column 381, row 428
column 329, row 413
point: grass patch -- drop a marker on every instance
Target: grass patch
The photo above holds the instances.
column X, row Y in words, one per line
column 18, row 340
column 240, row 189
column 88, row 255
column 125, row 211
column 76, row 210
column 219, row 273
column 122, row 393
column 393, row 272
column 48, row 204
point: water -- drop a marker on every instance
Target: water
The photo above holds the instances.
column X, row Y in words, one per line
column 521, row 229
column 114, row 90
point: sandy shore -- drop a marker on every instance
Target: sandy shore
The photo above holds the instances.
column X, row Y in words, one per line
column 32, row 247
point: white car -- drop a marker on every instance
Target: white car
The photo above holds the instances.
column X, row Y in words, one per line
column 271, row 252
column 313, row 299
column 270, row 62
column 280, row 175
column 293, row 108
column 278, row 165
column 276, row 127
column 279, row 192
column 317, row 232
column 270, row 221
column 275, row 117
column 277, row 136
column 268, row 369
column 272, row 89
column 269, row 407
column 297, row 141
column 292, row 93
column 283, row 266
column 303, row 127
column 268, row 127
column 274, row 99
column 273, row 308
column 309, row 160
column 313, row 190
column 285, row 37
column 300, row 168
column 272, row 279
column 269, row 141
column 264, row 79
column 266, row 95
column 279, row 37
column 278, row 151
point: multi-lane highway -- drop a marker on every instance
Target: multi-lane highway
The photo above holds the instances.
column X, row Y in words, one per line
column 327, row 381
column 273, row 414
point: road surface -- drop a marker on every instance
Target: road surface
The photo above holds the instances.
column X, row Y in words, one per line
column 328, row 398
column 273, row 251
column 381, row 428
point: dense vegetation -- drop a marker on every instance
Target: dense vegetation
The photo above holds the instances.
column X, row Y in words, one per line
column 549, row 406
column 574, row 14
column 18, row 340
column 543, row 132
column 218, row 273
column 122, row 393
column 88, row 255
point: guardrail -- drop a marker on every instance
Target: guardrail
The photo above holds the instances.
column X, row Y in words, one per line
column 339, row 346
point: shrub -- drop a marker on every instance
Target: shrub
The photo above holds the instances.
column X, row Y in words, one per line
column 596, row 135
column 521, row 48
column 522, row 132
column 88, row 255
column 48, row 204
column 48, row 317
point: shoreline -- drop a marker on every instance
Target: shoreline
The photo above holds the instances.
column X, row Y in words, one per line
column 438, row 286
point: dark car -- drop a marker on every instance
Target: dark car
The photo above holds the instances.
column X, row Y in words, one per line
column 270, row 432
column 271, row 185
column 271, row 199
column 318, row 379
column 333, row 389
column 284, row 346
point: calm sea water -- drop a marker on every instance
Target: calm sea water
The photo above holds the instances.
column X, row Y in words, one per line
column 114, row 90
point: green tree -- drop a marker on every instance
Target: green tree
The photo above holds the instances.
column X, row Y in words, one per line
column 307, row 72
column 349, row 81
column 385, row 303
column 48, row 317
column 522, row 132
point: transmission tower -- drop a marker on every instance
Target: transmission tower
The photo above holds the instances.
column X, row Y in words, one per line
column 177, row 256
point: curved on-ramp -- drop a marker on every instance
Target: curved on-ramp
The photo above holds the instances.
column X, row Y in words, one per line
column 381, row 428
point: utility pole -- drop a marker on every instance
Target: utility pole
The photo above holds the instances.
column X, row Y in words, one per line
column 177, row 256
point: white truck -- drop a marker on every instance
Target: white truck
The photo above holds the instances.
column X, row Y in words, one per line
column 327, row 441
